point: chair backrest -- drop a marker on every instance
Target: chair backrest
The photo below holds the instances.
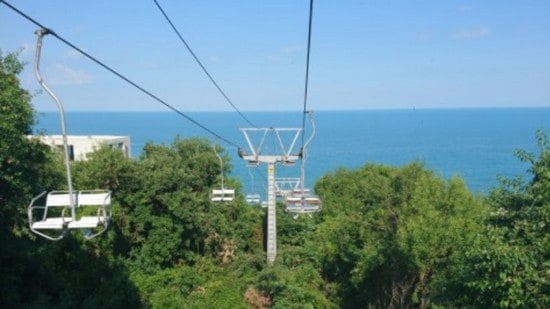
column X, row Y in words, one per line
column 253, row 199
column 293, row 200
column 60, row 199
column 313, row 200
column 303, row 203
column 94, row 198
column 222, row 195
column 223, row 191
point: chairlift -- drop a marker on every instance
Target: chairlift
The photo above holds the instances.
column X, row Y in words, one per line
column 95, row 212
column 253, row 198
column 56, row 208
column 301, row 201
column 221, row 194
column 52, row 214
column 285, row 186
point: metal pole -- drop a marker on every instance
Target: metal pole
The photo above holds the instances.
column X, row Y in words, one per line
column 221, row 165
column 271, row 214
column 41, row 33
column 304, row 157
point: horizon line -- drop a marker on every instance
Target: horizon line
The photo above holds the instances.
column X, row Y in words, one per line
column 298, row 110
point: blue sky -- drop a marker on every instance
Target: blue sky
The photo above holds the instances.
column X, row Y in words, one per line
column 365, row 54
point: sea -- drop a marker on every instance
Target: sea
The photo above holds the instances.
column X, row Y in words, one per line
column 476, row 144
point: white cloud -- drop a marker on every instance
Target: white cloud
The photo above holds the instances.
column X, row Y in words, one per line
column 63, row 75
column 27, row 49
column 471, row 34
column 73, row 54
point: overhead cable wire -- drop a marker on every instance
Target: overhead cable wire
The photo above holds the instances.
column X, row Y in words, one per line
column 200, row 64
column 307, row 69
column 118, row 74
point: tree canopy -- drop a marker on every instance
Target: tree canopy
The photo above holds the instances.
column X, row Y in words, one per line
column 390, row 234
column 510, row 262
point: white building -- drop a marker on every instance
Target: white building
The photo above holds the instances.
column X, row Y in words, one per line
column 81, row 145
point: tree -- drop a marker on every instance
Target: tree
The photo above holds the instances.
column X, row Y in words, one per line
column 508, row 266
column 162, row 206
column 26, row 166
column 388, row 234
column 24, row 171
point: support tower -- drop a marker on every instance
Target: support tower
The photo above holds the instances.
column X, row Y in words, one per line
column 280, row 153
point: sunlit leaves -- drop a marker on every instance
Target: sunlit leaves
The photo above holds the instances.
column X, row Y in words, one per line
column 509, row 266
column 387, row 232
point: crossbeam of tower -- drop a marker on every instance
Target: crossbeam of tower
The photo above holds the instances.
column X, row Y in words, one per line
column 281, row 153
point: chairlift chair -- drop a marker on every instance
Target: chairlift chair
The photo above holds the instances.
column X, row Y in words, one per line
column 51, row 215
column 286, row 185
column 221, row 194
column 95, row 212
column 252, row 198
column 301, row 201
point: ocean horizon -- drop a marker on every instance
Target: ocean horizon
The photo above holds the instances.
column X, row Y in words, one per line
column 476, row 144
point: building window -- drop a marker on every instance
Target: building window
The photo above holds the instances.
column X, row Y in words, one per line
column 70, row 149
column 71, row 153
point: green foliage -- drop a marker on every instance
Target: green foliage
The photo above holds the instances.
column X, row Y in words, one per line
column 387, row 233
column 168, row 288
column 71, row 274
column 509, row 267
column 24, row 171
column 105, row 168
column 387, row 236
column 294, row 281
column 295, row 287
column 25, row 164
column 10, row 64
column 162, row 208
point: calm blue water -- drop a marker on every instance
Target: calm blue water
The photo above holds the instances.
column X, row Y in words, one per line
column 476, row 144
